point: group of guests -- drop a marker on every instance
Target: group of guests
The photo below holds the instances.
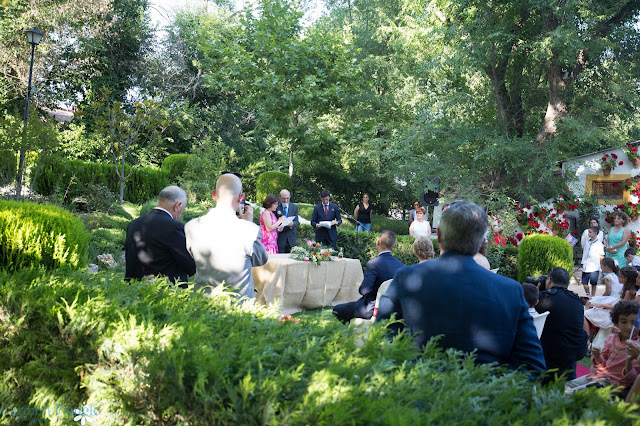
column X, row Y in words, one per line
column 491, row 316
column 223, row 245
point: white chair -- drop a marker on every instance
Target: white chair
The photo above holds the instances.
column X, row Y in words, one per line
column 381, row 290
column 539, row 321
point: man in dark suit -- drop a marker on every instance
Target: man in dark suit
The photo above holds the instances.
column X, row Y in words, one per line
column 326, row 212
column 563, row 339
column 378, row 270
column 155, row 243
column 287, row 235
column 471, row 307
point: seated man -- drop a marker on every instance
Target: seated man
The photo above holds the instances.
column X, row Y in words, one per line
column 226, row 246
column 377, row 271
column 155, row 243
column 471, row 307
column 563, row 339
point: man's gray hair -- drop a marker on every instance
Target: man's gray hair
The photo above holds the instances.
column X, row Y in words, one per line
column 462, row 227
column 173, row 193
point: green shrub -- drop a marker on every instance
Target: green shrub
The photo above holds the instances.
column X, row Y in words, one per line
column 145, row 354
column 271, row 183
column 107, row 231
column 505, row 258
column 175, row 165
column 74, row 176
column 40, row 235
column 539, row 252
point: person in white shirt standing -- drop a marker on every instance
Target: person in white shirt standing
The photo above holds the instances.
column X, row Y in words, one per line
column 593, row 253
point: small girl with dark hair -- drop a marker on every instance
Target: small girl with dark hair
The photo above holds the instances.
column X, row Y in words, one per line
column 613, row 365
column 630, row 286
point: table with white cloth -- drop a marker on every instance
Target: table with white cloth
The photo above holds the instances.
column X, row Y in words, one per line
column 300, row 285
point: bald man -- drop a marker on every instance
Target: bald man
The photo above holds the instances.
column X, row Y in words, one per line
column 287, row 235
column 226, row 246
column 155, row 243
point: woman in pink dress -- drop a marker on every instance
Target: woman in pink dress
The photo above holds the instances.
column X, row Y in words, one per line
column 269, row 224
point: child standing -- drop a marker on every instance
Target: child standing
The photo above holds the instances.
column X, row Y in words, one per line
column 612, row 365
column 592, row 255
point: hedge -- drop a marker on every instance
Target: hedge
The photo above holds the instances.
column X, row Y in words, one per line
column 40, row 235
column 175, row 165
column 539, row 252
column 145, row 353
column 55, row 174
column 271, row 183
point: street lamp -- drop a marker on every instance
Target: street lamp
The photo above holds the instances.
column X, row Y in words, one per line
column 33, row 37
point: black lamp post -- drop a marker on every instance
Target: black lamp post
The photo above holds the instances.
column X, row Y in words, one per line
column 33, row 37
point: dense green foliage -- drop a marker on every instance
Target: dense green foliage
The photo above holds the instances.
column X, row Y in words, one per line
column 175, row 165
column 271, row 183
column 539, row 252
column 58, row 174
column 37, row 235
column 505, row 258
column 147, row 354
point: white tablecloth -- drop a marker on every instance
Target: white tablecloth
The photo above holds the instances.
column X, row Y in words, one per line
column 304, row 285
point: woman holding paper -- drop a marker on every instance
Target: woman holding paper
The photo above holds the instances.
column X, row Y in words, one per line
column 269, row 224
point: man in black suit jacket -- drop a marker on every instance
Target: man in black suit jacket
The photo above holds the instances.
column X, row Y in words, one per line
column 563, row 339
column 156, row 244
column 378, row 270
column 326, row 211
column 288, row 235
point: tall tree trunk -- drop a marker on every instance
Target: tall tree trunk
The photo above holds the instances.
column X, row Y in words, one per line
column 556, row 107
column 122, row 177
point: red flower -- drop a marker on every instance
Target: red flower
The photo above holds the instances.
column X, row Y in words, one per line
column 519, row 236
column 634, row 149
column 536, row 225
column 604, row 158
column 575, row 231
column 614, row 156
column 528, row 206
column 620, row 163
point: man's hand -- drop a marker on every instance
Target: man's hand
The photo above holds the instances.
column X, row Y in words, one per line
column 248, row 213
column 317, row 225
column 334, row 222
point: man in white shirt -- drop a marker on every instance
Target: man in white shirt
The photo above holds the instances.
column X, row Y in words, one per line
column 226, row 246
column 591, row 257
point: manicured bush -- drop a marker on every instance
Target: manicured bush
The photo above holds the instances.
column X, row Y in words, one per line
column 505, row 258
column 271, row 183
column 74, row 176
column 538, row 253
column 40, row 235
column 146, row 353
column 175, row 165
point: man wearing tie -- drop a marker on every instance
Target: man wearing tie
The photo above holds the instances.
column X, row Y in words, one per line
column 326, row 212
column 287, row 235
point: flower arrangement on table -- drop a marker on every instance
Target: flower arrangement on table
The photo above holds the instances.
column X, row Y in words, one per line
column 610, row 161
column 312, row 252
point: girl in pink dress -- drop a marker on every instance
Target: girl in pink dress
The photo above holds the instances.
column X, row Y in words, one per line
column 269, row 224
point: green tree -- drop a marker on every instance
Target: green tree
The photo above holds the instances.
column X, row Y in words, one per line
column 124, row 133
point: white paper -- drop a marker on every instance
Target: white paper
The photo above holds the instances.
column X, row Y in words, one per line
column 325, row 223
column 287, row 221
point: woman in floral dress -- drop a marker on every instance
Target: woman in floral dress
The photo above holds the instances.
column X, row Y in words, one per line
column 269, row 224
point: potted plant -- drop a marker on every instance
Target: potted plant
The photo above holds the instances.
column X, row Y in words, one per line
column 632, row 184
column 633, row 155
column 609, row 162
